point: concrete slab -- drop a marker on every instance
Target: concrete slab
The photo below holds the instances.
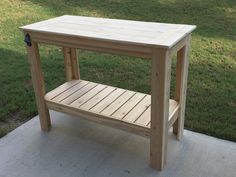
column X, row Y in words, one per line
column 78, row 148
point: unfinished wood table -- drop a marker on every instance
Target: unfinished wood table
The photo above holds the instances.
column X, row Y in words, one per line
column 143, row 114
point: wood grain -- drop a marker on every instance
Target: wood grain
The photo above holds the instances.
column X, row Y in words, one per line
column 38, row 84
column 160, row 93
column 181, row 87
column 71, row 63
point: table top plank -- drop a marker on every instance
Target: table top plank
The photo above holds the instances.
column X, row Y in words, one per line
column 114, row 30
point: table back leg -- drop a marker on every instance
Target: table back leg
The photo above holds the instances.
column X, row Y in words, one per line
column 181, row 88
column 71, row 63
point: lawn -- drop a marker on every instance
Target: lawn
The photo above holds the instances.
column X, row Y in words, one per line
column 211, row 95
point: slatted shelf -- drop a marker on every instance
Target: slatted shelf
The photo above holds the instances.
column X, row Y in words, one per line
column 118, row 107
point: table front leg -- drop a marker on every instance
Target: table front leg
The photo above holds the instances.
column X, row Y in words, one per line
column 71, row 63
column 181, row 87
column 38, row 84
column 160, row 94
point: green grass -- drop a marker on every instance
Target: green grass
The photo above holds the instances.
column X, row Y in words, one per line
column 211, row 96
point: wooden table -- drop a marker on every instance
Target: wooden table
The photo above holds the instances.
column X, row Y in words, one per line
column 143, row 114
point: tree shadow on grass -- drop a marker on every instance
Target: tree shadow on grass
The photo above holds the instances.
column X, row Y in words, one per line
column 16, row 90
column 213, row 18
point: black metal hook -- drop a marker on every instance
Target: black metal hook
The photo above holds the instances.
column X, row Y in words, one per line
column 27, row 40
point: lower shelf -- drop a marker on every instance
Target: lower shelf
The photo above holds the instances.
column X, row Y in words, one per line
column 120, row 108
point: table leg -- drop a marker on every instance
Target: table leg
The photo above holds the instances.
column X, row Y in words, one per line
column 71, row 63
column 160, row 94
column 38, row 84
column 181, row 88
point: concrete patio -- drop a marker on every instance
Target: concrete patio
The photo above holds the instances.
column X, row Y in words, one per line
column 78, row 148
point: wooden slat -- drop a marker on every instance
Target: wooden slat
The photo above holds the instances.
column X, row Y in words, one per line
column 70, row 91
column 144, row 119
column 118, row 103
column 61, row 89
column 96, row 99
column 91, row 93
column 125, row 108
column 78, row 94
column 108, row 100
column 138, row 109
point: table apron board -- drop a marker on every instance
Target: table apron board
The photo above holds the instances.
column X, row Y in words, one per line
column 98, row 45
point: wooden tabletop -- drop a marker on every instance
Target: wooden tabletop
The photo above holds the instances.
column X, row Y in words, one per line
column 124, row 31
